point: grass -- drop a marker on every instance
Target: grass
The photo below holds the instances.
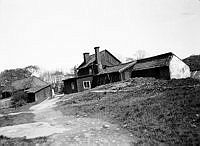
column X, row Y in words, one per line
column 156, row 111
column 18, row 109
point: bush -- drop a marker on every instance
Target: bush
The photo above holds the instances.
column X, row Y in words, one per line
column 19, row 99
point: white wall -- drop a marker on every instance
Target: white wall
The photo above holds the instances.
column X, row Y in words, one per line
column 178, row 69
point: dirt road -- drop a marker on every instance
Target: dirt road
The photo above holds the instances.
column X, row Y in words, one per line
column 68, row 130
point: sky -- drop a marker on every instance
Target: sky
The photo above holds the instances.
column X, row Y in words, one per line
column 54, row 34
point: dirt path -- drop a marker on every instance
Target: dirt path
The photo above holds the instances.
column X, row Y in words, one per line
column 68, row 130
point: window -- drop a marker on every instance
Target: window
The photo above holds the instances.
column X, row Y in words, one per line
column 90, row 71
column 86, row 85
column 72, row 86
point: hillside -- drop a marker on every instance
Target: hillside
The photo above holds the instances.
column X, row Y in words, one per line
column 193, row 62
column 154, row 111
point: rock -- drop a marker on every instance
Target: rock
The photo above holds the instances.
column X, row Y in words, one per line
column 84, row 115
column 117, row 128
column 125, row 125
column 106, row 126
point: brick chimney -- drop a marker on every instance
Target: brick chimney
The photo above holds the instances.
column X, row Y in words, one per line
column 86, row 57
column 98, row 59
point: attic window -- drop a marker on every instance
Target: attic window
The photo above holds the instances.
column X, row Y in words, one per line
column 86, row 85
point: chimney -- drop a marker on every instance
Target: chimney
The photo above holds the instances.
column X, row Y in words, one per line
column 98, row 59
column 86, row 57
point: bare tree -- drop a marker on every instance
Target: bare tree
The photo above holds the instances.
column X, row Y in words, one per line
column 140, row 54
column 73, row 70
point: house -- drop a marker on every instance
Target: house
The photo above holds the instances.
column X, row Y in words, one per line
column 36, row 89
column 90, row 67
column 92, row 74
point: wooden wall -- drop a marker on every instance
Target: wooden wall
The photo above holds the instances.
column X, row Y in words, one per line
column 43, row 94
column 80, row 82
column 68, row 87
column 158, row 73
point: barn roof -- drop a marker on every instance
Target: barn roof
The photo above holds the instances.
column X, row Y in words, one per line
column 146, row 63
column 26, row 83
column 153, row 62
column 36, row 89
column 92, row 59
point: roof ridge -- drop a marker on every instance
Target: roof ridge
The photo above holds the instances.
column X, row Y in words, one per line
column 156, row 56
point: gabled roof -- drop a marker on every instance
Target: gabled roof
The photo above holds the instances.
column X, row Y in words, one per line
column 36, row 89
column 27, row 83
column 152, row 62
column 92, row 59
column 146, row 63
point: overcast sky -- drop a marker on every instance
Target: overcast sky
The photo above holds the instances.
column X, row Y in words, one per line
column 54, row 33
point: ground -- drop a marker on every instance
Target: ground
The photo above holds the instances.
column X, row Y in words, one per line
column 137, row 111
column 51, row 127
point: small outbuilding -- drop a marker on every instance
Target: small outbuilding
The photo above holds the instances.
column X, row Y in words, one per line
column 164, row 66
column 36, row 89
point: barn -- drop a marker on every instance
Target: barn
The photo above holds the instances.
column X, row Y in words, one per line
column 36, row 89
column 164, row 66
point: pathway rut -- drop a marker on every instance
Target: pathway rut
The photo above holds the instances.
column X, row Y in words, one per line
column 68, row 130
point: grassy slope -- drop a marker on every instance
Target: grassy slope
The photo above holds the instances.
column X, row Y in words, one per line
column 156, row 111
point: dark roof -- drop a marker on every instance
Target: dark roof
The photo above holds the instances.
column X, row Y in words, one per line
column 79, row 77
column 36, row 89
column 146, row 63
column 152, row 62
column 92, row 59
column 26, row 83
column 118, row 68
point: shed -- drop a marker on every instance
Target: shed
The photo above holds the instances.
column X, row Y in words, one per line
column 164, row 66
column 36, row 89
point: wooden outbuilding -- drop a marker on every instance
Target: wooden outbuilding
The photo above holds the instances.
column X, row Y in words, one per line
column 36, row 89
